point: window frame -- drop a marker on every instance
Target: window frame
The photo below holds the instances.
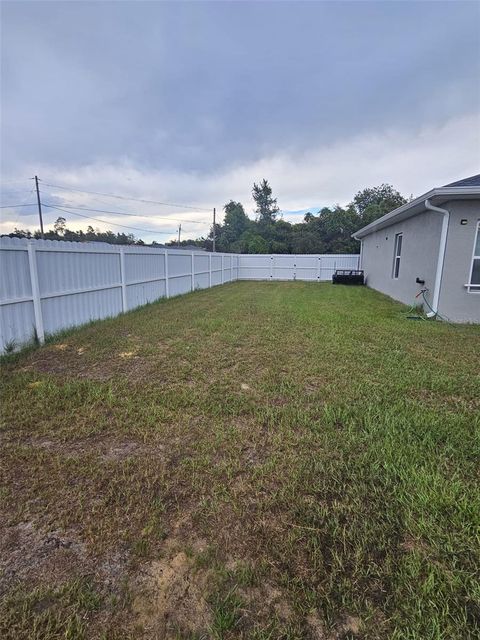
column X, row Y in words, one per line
column 471, row 287
column 397, row 257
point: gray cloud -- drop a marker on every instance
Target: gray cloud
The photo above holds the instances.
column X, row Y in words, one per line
column 207, row 89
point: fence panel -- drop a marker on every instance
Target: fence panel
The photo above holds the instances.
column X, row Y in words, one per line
column 314, row 267
column 201, row 263
column 255, row 267
column 140, row 267
column 307, row 267
column 282, row 267
column 17, row 324
column 144, row 292
column 72, row 309
column 216, row 269
column 15, row 274
column 17, row 313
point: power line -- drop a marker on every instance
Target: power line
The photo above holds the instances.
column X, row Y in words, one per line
column 13, row 206
column 112, row 195
column 15, row 190
column 93, row 201
column 115, row 224
column 135, row 215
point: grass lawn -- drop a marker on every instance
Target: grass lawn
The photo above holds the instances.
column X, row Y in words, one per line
column 257, row 461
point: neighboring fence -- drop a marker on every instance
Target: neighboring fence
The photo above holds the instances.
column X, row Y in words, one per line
column 315, row 267
column 50, row 285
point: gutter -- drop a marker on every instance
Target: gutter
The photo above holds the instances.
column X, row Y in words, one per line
column 441, row 194
column 441, row 255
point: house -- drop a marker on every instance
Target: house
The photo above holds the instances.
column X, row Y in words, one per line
column 429, row 246
column 187, row 247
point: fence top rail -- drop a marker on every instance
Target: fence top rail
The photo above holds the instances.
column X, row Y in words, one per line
column 97, row 247
column 295, row 255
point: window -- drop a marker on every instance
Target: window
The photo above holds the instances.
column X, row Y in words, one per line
column 474, row 282
column 397, row 254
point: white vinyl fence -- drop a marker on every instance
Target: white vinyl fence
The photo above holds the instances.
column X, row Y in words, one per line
column 49, row 285
column 315, row 267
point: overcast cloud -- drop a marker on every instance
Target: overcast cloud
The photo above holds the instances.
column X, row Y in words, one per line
column 192, row 102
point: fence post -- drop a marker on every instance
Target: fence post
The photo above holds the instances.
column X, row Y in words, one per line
column 319, row 271
column 223, row 279
column 271, row 267
column 167, row 288
column 123, row 279
column 193, row 273
column 209, row 269
column 37, row 305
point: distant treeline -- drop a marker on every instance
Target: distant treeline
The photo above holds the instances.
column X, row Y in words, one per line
column 328, row 231
column 62, row 232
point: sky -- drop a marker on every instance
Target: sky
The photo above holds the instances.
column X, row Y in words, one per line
column 190, row 103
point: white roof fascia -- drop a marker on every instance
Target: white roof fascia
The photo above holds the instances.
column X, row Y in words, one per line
column 438, row 195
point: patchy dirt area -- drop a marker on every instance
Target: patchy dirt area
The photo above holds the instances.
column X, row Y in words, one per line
column 170, row 598
column 344, row 629
column 27, row 554
column 107, row 449
column 33, row 556
column 79, row 362
column 169, row 593
column 267, row 599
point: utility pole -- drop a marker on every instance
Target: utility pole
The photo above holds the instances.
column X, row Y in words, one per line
column 213, row 247
column 179, row 232
column 39, row 208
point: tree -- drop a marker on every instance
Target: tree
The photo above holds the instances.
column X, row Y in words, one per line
column 236, row 220
column 62, row 232
column 208, row 243
column 376, row 201
column 335, row 227
column 60, row 226
column 20, row 233
column 235, row 223
column 278, row 236
column 256, row 244
column 267, row 208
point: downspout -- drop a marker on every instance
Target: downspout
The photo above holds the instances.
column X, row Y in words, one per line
column 441, row 255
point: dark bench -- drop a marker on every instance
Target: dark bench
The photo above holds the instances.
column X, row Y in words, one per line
column 348, row 276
